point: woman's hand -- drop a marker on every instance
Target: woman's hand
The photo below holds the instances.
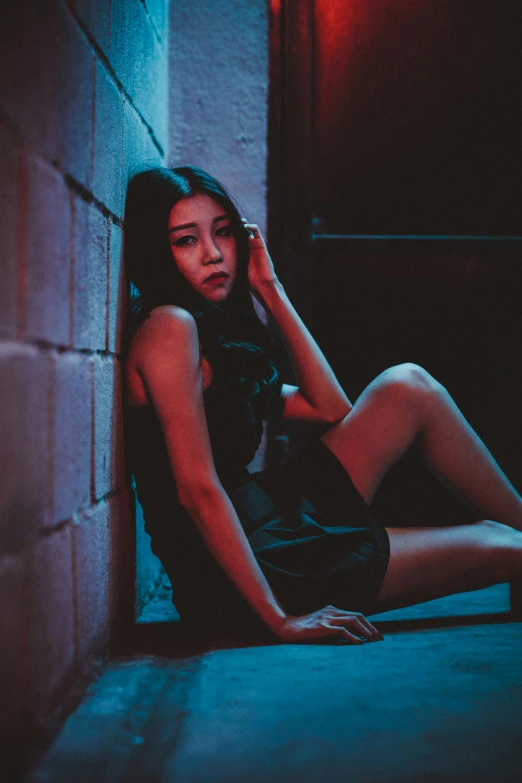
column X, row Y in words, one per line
column 261, row 270
column 328, row 622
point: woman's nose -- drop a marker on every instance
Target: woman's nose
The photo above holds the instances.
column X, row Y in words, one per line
column 211, row 252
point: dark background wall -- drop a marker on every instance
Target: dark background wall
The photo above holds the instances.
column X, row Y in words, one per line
column 416, row 116
column 395, row 139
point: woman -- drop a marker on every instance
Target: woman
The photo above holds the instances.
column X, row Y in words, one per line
column 296, row 552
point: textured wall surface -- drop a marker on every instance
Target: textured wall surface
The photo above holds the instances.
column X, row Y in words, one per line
column 218, row 87
column 218, row 96
column 83, row 101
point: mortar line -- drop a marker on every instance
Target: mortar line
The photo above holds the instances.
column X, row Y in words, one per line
column 76, row 631
column 51, row 413
column 46, row 345
column 93, row 121
column 93, row 464
column 23, row 198
column 72, row 273
column 107, row 283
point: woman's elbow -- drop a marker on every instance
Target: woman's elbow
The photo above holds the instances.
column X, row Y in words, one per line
column 335, row 415
column 196, row 497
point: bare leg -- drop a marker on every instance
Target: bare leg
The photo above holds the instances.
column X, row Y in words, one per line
column 404, row 404
column 428, row 563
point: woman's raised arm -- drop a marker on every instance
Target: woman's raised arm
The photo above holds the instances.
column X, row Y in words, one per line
column 318, row 396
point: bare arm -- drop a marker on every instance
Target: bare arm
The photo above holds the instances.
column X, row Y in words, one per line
column 168, row 362
column 318, row 396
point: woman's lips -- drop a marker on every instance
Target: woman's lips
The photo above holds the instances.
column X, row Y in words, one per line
column 218, row 279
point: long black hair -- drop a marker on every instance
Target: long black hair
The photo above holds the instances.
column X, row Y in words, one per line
column 242, row 350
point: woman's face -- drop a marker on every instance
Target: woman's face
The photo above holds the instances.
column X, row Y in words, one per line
column 203, row 246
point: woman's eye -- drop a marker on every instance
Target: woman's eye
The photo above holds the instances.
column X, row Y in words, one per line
column 186, row 240
column 224, row 231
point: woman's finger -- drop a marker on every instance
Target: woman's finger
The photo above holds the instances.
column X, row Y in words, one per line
column 250, row 229
column 251, row 226
column 368, row 633
column 338, row 630
column 357, row 625
column 371, row 628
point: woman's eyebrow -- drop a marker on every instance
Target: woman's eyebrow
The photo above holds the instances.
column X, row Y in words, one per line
column 193, row 225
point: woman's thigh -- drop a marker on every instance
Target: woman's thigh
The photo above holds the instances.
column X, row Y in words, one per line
column 380, row 428
column 428, row 563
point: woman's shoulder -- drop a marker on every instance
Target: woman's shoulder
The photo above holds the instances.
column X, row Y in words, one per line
column 165, row 322
column 165, row 315
column 163, row 332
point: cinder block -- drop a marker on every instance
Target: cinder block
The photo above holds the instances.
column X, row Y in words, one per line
column 158, row 13
column 96, row 16
column 47, row 85
column 129, row 23
column 27, row 84
column 70, row 132
column 91, row 239
column 118, row 291
column 109, row 465
column 144, row 74
column 139, row 149
column 51, row 623
column 108, row 142
column 123, row 561
column 48, row 255
column 72, row 434
column 9, row 209
column 25, row 391
column 14, row 658
column 92, row 557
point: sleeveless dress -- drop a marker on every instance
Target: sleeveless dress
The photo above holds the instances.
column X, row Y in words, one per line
column 311, row 532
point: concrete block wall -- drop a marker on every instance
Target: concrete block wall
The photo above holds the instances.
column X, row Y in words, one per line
column 83, row 102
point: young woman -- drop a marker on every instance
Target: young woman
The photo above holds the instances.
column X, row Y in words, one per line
column 296, row 552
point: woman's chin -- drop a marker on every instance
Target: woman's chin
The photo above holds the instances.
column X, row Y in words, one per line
column 218, row 294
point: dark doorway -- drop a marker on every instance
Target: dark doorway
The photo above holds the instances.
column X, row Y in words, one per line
column 395, row 205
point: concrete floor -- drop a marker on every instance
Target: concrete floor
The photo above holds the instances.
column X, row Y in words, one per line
column 439, row 700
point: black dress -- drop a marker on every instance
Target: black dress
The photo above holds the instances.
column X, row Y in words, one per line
column 311, row 532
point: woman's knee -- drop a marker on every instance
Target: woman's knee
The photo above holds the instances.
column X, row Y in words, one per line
column 503, row 545
column 408, row 384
